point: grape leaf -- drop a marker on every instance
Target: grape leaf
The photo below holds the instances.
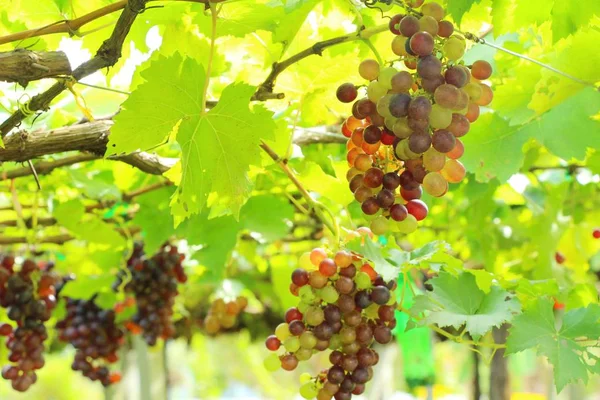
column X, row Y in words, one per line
column 154, row 218
column 217, row 147
column 569, row 16
column 458, row 8
column 375, row 253
column 457, row 301
column 536, row 329
column 267, row 215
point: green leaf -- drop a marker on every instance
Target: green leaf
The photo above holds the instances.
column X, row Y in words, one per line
column 374, row 253
column 320, row 154
column 87, row 285
column 457, row 301
column 435, row 256
column 217, row 147
column 536, row 329
column 458, row 8
column 267, row 215
column 154, row 218
column 569, row 16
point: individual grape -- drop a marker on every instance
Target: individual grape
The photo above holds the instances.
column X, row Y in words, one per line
column 459, row 126
column 336, row 375
column 412, row 193
column 344, row 285
column 362, row 194
column 481, row 70
column 456, row 76
column 289, row 362
column 457, row 152
column 429, row 25
column 394, row 24
column 332, row 313
column 314, row 316
column 386, row 313
column 443, row 140
column 409, row 25
column 376, row 91
column 419, row 142
column 398, row 212
column 435, row 184
column 385, row 198
column 362, row 281
column 410, row 63
column 445, row 29
column 383, row 106
column 370, row 206
column 474, row 91
column 370, row 148
column 282, row 331
column 421, row 44
column 419, row 108
column 391, row 181
column 473, row 112
column 349, row 363
column 5, row 330
column 434, row 10
column 380, row 295
column 399, row 45
column 399, row 103
column 387, row 137
column 346, row 93
column 407, row 180
column 402, row 82
column 373, row 178
column 418, row 125
column 309, row 390
column 385, row 77
column 440, row 117
column 347, row 386
column 317, row 255
column 356, row 182
column 454, row 48
column 292, row 314
column 272, row 343
column 362, row 299
column 345, row 303
column 272, row 362
column 487, row 95
column 454, row 171
column 429, row 67
column 418, row 209
column 447, row 96
column 371, row 135
column 300, row 277
column 382, row 334
column 401, row 128
column 356, row 113
column 463, row 102
column 317, row 280
column 431, row 84
column 329, row 294
column 323, row 331
column 349, row 271
column 408, row 225
column 364, row 161
column 343, row 259
column 380, row 226
column 348, row 335
column 353, row 318
column 369, row 69
column 433, row 160
column 365, row 107
column 292, row 343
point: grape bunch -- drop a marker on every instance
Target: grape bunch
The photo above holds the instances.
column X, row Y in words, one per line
column 404, row 134
column 154, row 285
column 223, row 315
column 343, row 306
column 29, row 295
column 96, row 337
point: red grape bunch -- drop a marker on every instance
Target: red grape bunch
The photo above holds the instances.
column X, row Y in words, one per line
column 29, row 296
column 404, row 134
column 343, row 306
column 154, row 286
column 95, row 335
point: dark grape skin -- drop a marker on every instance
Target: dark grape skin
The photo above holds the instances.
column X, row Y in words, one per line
column 419, row 108
column 356, row 182
column 399, row 105
column 431, row 84
column 332, row 312
column 297, row 328
column 429, row 67
column 349, row 271
column 418, row 125
column 456, row 76
column 336, row 357
column 398, row 212
column 445, row 28
column 443, row 140
column 459, row 126
column 421, row 43
column 409, row 25
column 372, row 134
column 380, row 295
column 382, row 334
column 419, row 142
column 408, row 49
column 385, row 198
column 391, row 181
column 414, row 193
column 407, row 180
column 362, row 299
column 418, row 209
column 336, row 375
column 370, row 206
column 365, row 107
column 346, row 93
column 300, row 277
column 373, row 178
column 360, row 375
column 323, row 331
column 394, row 24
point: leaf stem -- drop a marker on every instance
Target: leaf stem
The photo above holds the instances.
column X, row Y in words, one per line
column 211, row 54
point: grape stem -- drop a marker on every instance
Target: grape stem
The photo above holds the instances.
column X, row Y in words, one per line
column 211, row 54
column 317, row 207
column 374, row 50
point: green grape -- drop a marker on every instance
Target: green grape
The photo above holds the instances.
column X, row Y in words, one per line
column 292, row 344
column 305, row 377
column 362, row 280
column 409, row 225
column 473, row 90
column 272, row 362
column 314, row 316
column 435, row 184
column 385, row 77
column 433, row 160
column 399, row 45
column 308, row 340
column 305, row 263
column 401, row 128
column 454, row 48
column 376, row 91
column 390, row 122
column 440, row 117
column 348, row 335
column 380, row 225
column 303, row 354
column 309, row 390
column 307, row 294
column 372, row 312
column 282, row 331
column 383, row 105
column 409, row 154
column 329, row 294
column 302, row 307
column 335, row 342
column 369, row 69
